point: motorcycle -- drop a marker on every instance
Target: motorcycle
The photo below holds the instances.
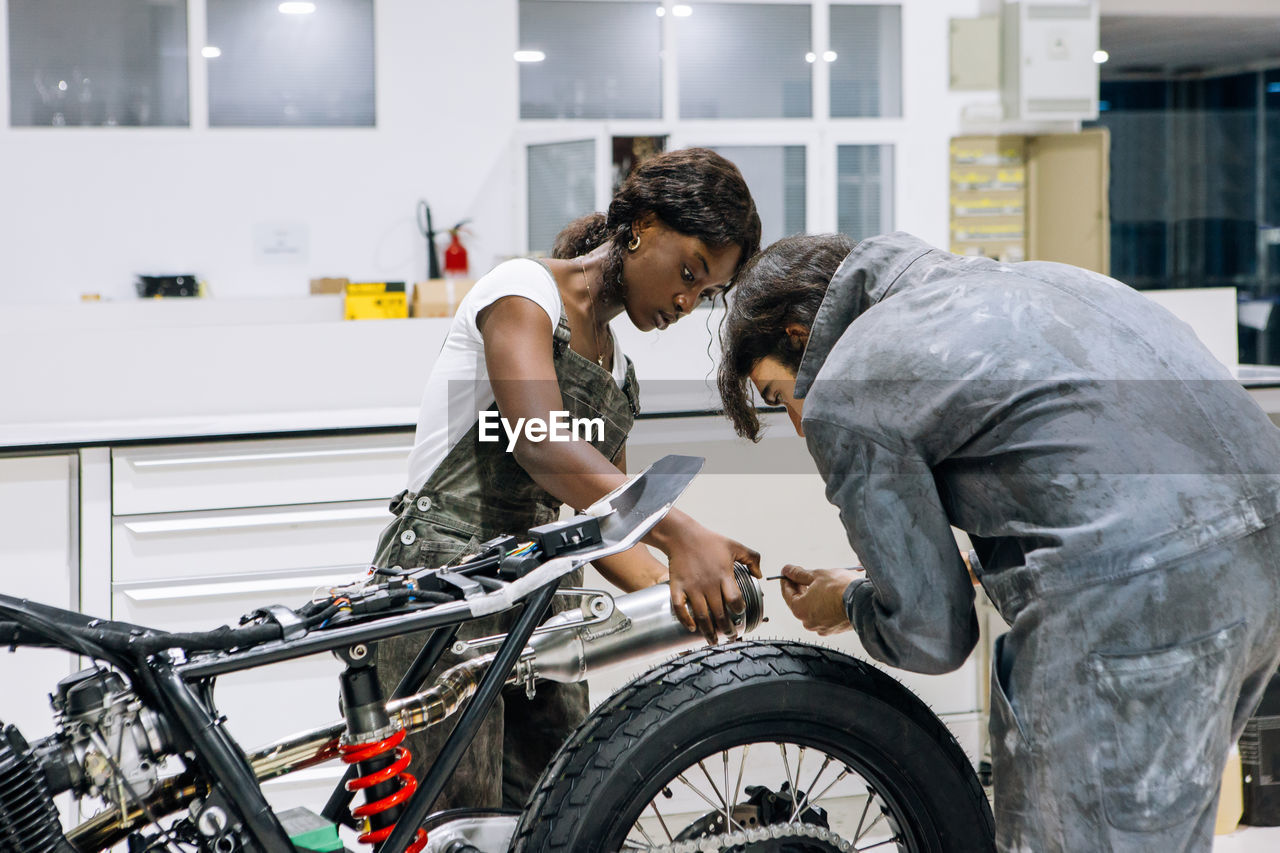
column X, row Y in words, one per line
column 824, row 752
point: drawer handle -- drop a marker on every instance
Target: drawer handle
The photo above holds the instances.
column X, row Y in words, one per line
column 176, row 461
column 264, row 519
column 178, row 592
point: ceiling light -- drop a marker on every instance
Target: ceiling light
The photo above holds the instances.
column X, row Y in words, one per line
column 529, row 56
column 811, row 57
column 210, row 52
column 1100, row 56
column 661, row 11
column 681, row 10
column 296, row 8
column 828, row 56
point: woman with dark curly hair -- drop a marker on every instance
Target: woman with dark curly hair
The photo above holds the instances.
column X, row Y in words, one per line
column 532, row 338
column 1120, row 488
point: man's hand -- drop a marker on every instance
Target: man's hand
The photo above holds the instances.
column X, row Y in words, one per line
column 817, row 597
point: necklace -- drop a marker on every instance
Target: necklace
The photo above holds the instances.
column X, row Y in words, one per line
column 595, row 325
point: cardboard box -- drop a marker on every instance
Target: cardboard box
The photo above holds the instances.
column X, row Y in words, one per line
column 375, row 300
column 439, row 297
column 329, row 285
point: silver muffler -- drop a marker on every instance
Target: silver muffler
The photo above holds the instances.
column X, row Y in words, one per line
column 638, row 624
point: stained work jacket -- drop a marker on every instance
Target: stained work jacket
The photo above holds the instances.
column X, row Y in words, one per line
column 1077, row 432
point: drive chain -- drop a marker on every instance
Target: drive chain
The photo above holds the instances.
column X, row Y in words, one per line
column 777, row 832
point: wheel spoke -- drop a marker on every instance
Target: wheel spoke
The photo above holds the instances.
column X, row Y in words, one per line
column 808, row 800
column 814, row 799
column 879, row 818
column 648, row 839
column 865, row 806
column 698, row 791
column 654, row 805
column 741, row 766
column 786, row 765
column 893, row 840
column 728, row 818
column 730, row 797
column 795, row 793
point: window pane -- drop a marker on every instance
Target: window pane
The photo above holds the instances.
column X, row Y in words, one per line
column 109, row 62
column 775, row 175
column 600, row 60
column 866, row 71
column 562, row 187
column 1271, row 179
column 745, row 60
column 864, row 192
column 313, row 69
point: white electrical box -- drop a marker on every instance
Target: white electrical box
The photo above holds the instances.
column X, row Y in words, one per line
column 1049, row 71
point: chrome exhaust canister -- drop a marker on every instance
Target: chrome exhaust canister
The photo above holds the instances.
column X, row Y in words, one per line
column 642, row 623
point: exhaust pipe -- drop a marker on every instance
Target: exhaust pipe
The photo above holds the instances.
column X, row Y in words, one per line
column 641, row 624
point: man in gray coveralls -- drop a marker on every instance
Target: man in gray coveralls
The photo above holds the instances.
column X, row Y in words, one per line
column 1120, row 488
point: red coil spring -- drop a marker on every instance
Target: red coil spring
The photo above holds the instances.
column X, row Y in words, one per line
column 354, row 753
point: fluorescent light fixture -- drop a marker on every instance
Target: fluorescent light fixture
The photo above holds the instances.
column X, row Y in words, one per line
column 294, row 7
column 1100, row 56
column 681, row 11
column 828, row 56
column 210, row 52
column 662, row 12
column 529, row 56
column 811, row 57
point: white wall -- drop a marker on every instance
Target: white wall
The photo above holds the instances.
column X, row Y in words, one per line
column 85, row 209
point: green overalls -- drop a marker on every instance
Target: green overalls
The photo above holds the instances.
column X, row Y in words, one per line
column 478, row 492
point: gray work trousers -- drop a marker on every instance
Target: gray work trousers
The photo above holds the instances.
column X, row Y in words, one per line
column 1114, row 706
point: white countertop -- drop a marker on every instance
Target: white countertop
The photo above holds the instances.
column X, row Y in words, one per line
column 175, row 369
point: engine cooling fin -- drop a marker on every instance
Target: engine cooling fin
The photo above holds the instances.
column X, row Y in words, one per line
column 28, row 817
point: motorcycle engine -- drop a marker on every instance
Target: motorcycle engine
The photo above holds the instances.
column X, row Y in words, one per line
column 107, row 744
column 110, row 744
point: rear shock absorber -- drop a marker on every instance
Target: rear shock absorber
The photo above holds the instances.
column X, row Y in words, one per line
column 374, row 745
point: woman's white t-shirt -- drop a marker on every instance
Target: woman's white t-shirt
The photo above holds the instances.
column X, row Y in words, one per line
column 458, row 388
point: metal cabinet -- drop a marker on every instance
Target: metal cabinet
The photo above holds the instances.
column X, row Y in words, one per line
column 38, row 560
column 203, row 533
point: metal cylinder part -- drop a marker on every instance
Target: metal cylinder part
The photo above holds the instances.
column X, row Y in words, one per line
column 642, row 624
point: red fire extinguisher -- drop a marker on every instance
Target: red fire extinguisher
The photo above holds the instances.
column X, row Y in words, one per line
column 455, row 254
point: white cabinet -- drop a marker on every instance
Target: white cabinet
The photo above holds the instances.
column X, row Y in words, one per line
column 38, row 560
column 204, row 533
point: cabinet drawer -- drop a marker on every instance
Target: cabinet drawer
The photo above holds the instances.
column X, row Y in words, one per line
column 262, row 704
column 246, row 542
column 228, row 474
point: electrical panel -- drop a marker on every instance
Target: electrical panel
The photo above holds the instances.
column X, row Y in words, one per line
column 1049, row 71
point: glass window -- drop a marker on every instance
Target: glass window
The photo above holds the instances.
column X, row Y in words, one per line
column 864, row 192
column 296, row 64
column 105, row 63
column 1271, row 179
column 865, row 61
column 776, row 176
column 590, row 60
column 745, row 60
column 562, row 187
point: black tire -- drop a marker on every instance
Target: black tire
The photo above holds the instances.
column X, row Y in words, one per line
column 701, row 702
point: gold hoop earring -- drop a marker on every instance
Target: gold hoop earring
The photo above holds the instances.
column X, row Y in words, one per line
column 634, row 244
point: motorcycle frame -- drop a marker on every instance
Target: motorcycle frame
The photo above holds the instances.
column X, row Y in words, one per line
column 176, row 689
column 181, row 690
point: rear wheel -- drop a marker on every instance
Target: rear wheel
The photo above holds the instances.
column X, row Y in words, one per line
column 759, row 747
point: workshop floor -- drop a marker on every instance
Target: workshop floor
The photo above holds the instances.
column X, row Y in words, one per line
column 1249, row 839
